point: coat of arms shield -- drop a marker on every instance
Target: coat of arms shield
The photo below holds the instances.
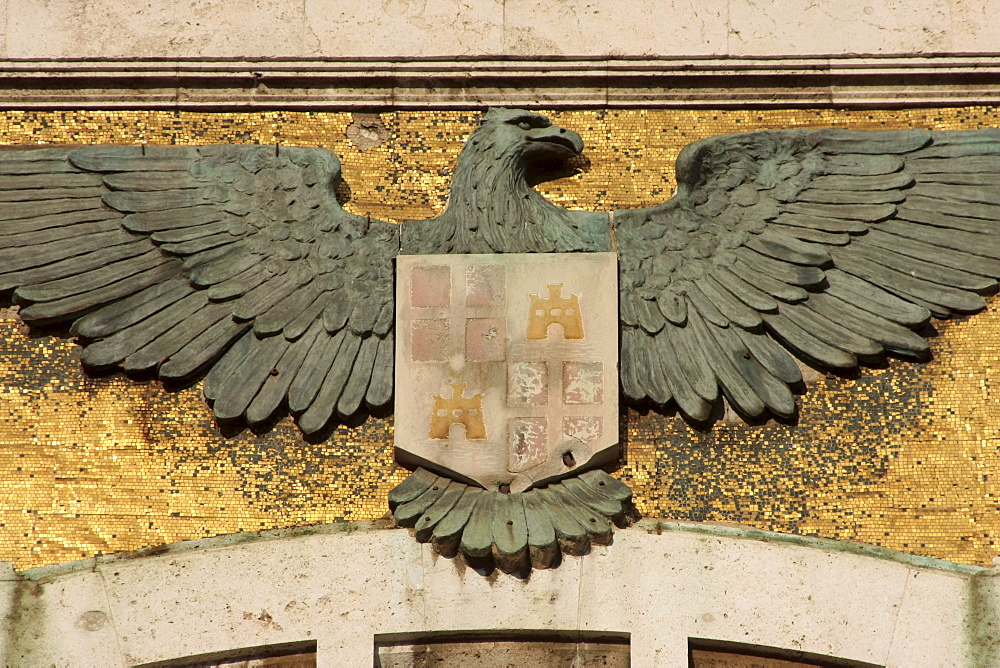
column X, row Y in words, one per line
column 506, row 368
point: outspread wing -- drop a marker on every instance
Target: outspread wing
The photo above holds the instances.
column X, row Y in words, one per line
column 833, row 244
column 232, row 259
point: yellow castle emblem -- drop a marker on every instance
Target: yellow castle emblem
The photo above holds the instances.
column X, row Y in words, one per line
column 458, row 409
column 564, row 311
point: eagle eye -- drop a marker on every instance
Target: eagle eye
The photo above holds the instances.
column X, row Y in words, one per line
column 524, row 125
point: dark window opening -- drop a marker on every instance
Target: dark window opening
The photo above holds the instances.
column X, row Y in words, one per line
column 284, row 655
column 705, row 653
column 492, row 649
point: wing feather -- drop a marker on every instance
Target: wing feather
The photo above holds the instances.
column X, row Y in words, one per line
column 364, row 315
column 240, row 284
column 76, row 305
column 50, row 181
column 12, row 227
column 173, row 219
column 190, row 233
column 275, row 388
column 361, row 374
column 832, row 244
column 199, row 245
column 943, row 256
column 698, row 301
column 648, row 315
column 116, row 347
column 652, row 364
column 38, row 195
column 831, row 196
column 281, row 314
column 967, row 242
column 915, row 212
column 380, row 389
column 170, row 340
column 860, row 165
column 323, row 406
column 874, row 299
column 678, row 385
column 753, row 297
column 785, row 271
column 337, row 311
column 74, row 265
column 772, row 357
column 216, row 379
column 147, row 181
column 43, row 242
column 203, row 350
column 749, row 265
column 891, row 335
column 692, row 361
column 837, row 335
column 19, row 211
column 774, row 394
column 268, row 294
column 673, row 308
column 88, row 281
column 808, row 345
column 630, row 369
column 926, row 271
column 821, row 224
column 309, row 378
column 813, row 236
column 733, row 383
column 248, row 376
column 22, row 258
column 729, row 305
column 906, row 285
column 312, row 313
column 121, row 314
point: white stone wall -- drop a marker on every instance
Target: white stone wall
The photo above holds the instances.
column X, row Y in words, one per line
column 661, row 583
column 248, row 29
column 273, row 54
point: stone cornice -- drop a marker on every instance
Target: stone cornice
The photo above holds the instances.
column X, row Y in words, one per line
column 467, row 83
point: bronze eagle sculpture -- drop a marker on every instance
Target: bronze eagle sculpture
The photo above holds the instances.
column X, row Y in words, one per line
column 238, row 262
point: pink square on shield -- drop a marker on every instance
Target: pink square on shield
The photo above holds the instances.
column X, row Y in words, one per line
column 430, row 286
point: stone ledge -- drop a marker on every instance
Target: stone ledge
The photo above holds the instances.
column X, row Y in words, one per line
column 648, row 525
column 346, row 585
column 358, row 83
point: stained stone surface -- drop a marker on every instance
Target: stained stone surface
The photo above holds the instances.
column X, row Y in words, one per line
column 348, row 586
column 506, row 358
column 267, row 28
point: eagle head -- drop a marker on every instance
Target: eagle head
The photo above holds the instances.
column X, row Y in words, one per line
column 492, row 207
column 525, row 135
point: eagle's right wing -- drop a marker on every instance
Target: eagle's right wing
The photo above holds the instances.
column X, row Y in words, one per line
column 831, row 244
column 232, row 259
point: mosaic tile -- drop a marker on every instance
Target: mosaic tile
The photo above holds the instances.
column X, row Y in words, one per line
column 906, row 456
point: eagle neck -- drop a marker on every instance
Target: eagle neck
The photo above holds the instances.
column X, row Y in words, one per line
column 494, row 210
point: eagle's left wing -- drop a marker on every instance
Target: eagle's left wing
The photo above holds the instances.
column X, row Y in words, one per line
column 832, row 244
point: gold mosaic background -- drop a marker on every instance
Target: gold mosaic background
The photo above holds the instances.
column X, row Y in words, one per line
column 905, row 456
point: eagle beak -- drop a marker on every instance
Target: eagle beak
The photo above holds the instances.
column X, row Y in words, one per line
column 555, row 140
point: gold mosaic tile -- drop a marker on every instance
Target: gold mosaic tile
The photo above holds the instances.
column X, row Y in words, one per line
column 906, row 456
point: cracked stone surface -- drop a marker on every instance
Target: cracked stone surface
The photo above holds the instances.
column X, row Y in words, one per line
column 436, row 28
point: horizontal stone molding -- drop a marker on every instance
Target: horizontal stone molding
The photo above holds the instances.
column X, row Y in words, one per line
column 433, row 83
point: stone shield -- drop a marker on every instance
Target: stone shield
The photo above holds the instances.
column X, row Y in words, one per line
column 507, row 365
